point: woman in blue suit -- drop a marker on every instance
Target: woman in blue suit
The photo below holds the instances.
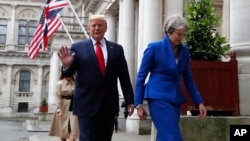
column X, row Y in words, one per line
column 167, row 61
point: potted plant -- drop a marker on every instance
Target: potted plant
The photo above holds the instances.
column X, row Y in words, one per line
column 44, row 105
column 216, row 80
column 203, row 41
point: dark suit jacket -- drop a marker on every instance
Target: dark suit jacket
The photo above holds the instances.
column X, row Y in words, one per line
column 90, row 82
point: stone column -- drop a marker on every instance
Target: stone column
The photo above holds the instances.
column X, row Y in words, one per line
column 11, row 30
column 240, row 43
column 173, row 7
column 120, row 22
column 40, row 84
column 9, row 92
column 226, row 19
column 54, row 74
column 111, row 31
column 128, row 38
column 140, row 46
column 152, row 29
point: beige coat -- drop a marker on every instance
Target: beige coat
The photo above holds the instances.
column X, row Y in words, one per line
column 59, row 126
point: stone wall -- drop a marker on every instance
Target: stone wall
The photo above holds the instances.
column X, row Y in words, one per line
column 210, row 128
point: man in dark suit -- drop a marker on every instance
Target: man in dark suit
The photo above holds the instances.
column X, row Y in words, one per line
column 96, row 97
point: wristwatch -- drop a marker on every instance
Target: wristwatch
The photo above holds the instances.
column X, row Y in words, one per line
column 138, row 106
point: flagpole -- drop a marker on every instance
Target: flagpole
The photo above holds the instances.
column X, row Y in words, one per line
column 66, row 30
column 85, row 32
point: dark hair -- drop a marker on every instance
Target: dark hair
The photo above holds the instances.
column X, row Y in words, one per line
column 61, row 77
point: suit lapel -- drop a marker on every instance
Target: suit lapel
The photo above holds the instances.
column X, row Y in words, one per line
column 110, row 53
column 170, row 59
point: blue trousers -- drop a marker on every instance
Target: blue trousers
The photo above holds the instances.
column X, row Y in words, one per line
column 166, row 117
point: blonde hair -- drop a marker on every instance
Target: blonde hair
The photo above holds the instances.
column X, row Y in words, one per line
column 99, row 17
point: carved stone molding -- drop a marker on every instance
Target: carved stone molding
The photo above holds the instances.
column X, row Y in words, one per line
column 3, row 13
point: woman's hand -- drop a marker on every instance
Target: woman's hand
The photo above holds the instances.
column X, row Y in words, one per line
column 141, row 112
column 203, row 111
column 59, row 114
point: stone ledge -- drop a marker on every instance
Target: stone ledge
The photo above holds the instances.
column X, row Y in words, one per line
column 210, row 128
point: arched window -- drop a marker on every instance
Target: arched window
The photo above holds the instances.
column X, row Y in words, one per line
column 24, row 81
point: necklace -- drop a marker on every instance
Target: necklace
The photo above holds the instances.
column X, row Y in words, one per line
column 175, row 49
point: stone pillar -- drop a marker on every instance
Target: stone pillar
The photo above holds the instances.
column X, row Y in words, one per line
column 152, row 29
column 9, row 86
column 10, row 40
column 120, row 22
column 128, row 38
column 40, row 84
column 111, row 31
column 54, row 74
column 173, row 7
column 226, row 20
column 240, row 43
column 140, row 46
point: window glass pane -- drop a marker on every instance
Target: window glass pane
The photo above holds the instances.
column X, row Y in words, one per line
column 21, row 40
column 32, row 23
column 3, row 22
column 2, row 39
column 30, row 39
column 3, row 29
column 32, row 27
column 24, row 81
column 22, row 23
column 22, row 31
column 31, row 31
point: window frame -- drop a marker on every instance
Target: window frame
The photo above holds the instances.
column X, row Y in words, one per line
column 3, row 26
column 28, row 27
column 24, row 81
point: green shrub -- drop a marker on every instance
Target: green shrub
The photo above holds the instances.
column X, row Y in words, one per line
column 44, row 102
column 203, row 41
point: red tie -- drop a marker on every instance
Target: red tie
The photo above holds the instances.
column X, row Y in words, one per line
column 100, row 57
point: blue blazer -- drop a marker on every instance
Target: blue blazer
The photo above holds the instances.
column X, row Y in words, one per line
column 90, row 82
column 165, row 74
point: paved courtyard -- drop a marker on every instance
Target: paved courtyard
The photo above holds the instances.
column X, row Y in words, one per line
column 30, row 130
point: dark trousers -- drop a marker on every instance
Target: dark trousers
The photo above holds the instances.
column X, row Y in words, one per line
column 116, row 124
column 100, row 127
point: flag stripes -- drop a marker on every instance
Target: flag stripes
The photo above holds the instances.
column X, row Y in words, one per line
column 47, row 26
column 38, row 42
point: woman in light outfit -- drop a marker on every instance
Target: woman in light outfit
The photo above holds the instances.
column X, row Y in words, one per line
column 64, row 123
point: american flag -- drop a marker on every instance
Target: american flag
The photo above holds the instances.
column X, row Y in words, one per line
column 47, row 26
